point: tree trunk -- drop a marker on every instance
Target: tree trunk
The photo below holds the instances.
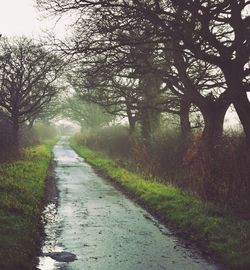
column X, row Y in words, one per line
column 234, row 78
column 214, row 116
column 150, row 123
column 132, row 123
column 131, row 120
column 15, row 134
column 242, row 107
column 31, row 123
column 210, row 148
column 150, row 119
column 184, row 118
column 213, row 125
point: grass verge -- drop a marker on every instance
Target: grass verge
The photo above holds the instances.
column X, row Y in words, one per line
column 208, row 225
column 22, row 184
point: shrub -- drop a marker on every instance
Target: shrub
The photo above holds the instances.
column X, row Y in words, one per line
column 220, row 174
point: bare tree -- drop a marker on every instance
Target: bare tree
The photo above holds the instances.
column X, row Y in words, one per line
column 27, row 77
column 216, row 32
column 172, row 26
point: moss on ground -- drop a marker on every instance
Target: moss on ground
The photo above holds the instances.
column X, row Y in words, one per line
column 22, row 185
column 211, row 227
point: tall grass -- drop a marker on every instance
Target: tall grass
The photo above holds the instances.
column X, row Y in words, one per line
column 210, row 226
column 22, row 184
column 221, row 175
column 27, row 137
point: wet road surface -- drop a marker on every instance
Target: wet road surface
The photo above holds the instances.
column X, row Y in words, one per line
column 102, row 228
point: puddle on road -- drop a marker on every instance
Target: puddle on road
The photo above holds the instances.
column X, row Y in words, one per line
column 50, row 222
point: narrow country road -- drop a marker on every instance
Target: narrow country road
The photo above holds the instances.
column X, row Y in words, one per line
column 94, row 226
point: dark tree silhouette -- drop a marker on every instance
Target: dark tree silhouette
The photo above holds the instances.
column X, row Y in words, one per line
column 28, row 74
column 214, row 33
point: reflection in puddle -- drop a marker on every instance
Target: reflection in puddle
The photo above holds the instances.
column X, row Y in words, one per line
column 46, row 263
column 100, row 227
column 50, row 222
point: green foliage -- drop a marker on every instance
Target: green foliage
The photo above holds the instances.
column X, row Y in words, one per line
column 163, row 159
column 220, row 174
column 44, row 131
column 21, row 193
column 205, row 223
column 89, row 115
column 113, row 140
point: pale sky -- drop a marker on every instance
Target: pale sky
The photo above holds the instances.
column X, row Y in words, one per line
column 20, row 17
